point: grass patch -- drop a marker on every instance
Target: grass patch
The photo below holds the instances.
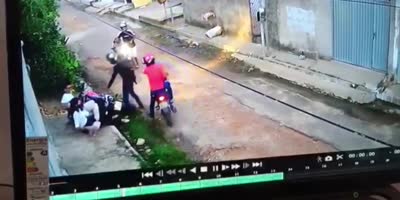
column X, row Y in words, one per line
column 162, row 152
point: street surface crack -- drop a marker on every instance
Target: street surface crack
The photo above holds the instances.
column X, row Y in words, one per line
column 239, row 101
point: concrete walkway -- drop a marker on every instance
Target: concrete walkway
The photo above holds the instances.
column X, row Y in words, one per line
column 337, row 79
column 155, row 12
column 81, row 154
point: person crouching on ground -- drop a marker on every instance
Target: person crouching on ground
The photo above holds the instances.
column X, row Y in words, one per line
column 86, row 116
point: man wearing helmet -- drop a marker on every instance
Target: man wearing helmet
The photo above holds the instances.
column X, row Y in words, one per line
column 127, row 36
column 157, row 76
column 127, row 73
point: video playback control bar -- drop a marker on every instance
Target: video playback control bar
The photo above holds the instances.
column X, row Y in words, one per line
column 290, row 168
column 201, row 170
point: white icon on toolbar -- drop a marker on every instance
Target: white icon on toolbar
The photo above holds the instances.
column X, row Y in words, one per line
column 246, row 165
column 215, row 168
column 328, row 159
column 182, row 171
column 171, row 172
column 147, row 175
column 160, row 173
column 203, row 169
column 339, row 157
column 257, row 164
column 225, row 167
column 193, row 170
column 235, row 166
column 387, row 160
column 319, row 159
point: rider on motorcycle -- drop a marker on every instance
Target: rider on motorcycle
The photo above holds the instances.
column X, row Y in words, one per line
column 158, row 80
column 127, row 36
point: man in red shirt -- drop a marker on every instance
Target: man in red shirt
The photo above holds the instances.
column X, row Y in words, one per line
column 157, row 76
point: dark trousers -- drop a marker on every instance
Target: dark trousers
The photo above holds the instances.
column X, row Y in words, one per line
column 127, row 89
column 153, row 98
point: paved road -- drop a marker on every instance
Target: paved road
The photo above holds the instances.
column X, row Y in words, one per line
column 217, row 119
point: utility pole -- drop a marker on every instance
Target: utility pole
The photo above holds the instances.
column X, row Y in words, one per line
column 262, row 19
column 163, row 2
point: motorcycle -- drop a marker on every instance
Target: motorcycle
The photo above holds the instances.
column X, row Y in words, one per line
column 164, row 105
column 123, row 50
column 109, row 107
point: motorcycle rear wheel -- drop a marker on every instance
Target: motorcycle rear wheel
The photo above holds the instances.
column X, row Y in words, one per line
column 166, row 113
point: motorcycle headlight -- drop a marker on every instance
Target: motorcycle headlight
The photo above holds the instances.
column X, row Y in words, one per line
column 125, row 49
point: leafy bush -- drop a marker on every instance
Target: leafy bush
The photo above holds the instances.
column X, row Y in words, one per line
column 163, row 152
column 52, row 64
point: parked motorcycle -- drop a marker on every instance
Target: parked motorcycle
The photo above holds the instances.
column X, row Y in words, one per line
column 109, row 107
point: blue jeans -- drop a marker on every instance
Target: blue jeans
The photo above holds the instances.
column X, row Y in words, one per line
column 168, row 89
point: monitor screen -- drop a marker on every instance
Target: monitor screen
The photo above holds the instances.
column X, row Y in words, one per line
column 140, row 97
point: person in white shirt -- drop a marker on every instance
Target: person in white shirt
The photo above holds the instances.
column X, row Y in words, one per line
column 86, row 116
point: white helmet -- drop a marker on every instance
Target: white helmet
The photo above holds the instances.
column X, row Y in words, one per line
column 123, row 25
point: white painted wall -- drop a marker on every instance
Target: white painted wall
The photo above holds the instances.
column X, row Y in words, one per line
column 306, row 25
column 6, row 172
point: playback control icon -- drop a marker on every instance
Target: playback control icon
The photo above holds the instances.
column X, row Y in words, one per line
column 235, row 166
column 256, row 164
column 147, row 175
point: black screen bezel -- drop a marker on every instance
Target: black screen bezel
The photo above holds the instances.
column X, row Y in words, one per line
column 310, row 186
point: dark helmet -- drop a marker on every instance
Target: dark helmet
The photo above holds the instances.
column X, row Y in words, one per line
column 112, row 58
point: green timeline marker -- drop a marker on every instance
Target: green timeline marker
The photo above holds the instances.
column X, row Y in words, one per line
column 209, row 183
column 190, row 185
column 171, row 187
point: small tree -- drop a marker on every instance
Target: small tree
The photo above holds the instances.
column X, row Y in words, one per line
column 52, row 64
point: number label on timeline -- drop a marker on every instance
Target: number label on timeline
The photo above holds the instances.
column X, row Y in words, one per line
column 371, row 154
column 396, row 151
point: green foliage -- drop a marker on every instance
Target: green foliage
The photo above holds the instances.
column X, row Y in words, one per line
column 52, row 63
column 163, row 152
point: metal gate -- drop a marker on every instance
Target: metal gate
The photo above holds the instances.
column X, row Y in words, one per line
column 255, row 25
column 361, row 32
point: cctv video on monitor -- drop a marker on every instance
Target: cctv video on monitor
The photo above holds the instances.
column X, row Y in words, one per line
column 137, row 85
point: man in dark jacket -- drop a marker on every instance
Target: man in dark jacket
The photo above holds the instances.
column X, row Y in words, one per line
column 127, row 73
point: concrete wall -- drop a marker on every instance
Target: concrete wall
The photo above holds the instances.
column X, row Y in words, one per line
column 301, row 25
column 34, row 125
column 233, row 15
